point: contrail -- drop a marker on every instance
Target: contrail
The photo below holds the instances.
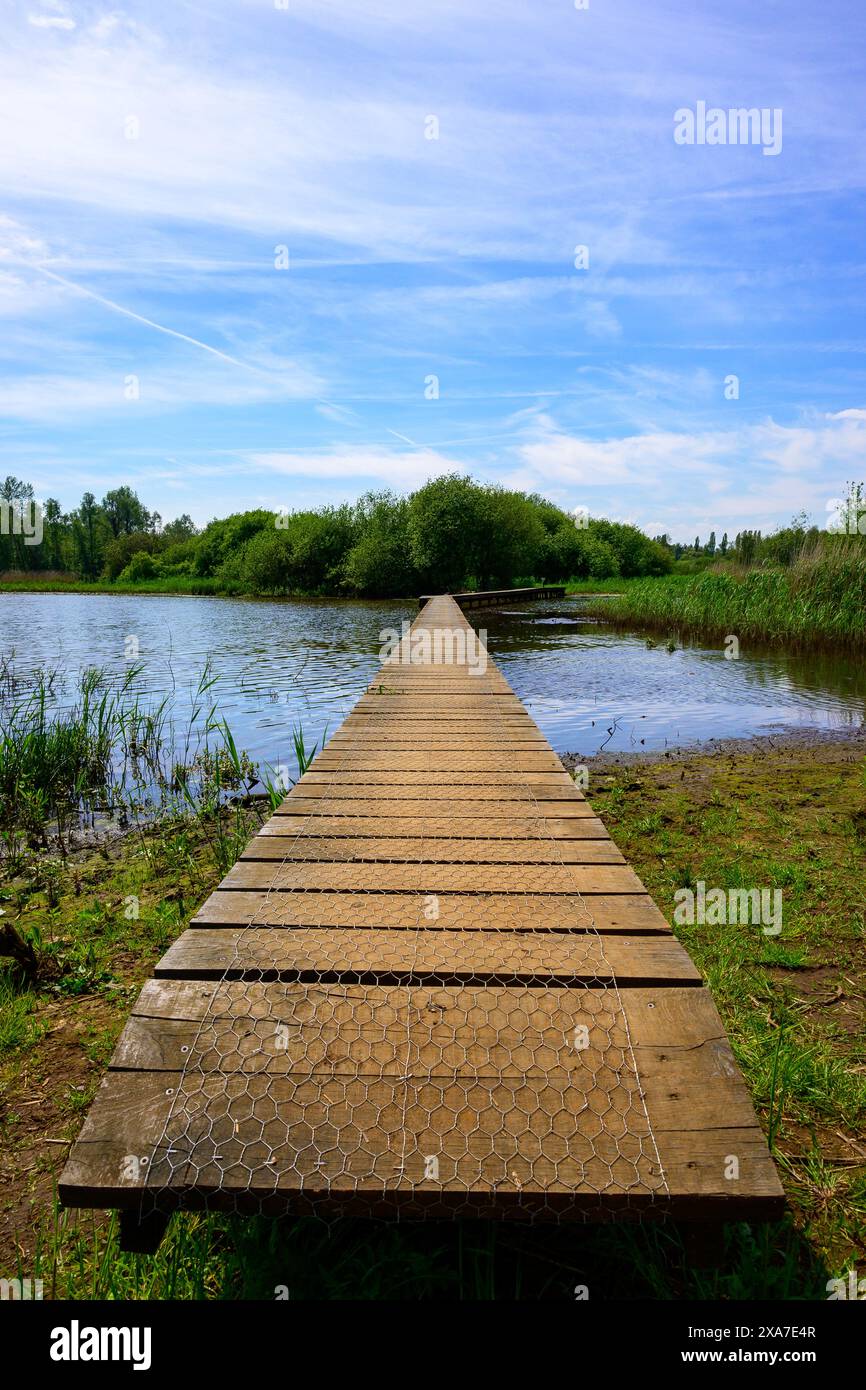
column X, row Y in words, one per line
column 185, row 338
column 149, row 323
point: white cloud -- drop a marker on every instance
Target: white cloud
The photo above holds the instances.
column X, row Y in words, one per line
column 45, row 21
column 754, row 475
column 337, row 149
column 17, row 242
column 402, row 471
column 564, row 458
column 60, row 18
column 101, row 392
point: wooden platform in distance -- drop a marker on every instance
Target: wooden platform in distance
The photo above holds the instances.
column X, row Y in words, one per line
column 497, row 598
column 430, row 986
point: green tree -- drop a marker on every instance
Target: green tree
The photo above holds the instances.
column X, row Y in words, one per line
column 445, row 517
column 124, row 512
column 228, row 536
column 508, row 539
column 119, row 553
column 14, row 554
column 379, row 564
column 54, row 530
column 88, row 526
column 183, row 528
column 141, row 566
column 636, row 554
column 305, row 554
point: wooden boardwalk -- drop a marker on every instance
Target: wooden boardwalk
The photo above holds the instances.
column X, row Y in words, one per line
column 495, row 598
column 430, row 986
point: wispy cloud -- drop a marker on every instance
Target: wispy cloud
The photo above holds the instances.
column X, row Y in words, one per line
column 400, row 470
column 148, row 323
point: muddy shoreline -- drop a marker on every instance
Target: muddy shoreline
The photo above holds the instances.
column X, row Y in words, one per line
column 818, row 743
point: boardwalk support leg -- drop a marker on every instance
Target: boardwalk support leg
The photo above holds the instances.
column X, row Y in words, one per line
column 141, row 1234
column 704, row 1243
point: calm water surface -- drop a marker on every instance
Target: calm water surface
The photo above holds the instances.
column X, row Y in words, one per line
column 307, row 661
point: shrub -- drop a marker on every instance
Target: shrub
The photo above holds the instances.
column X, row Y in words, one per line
column 141, row 566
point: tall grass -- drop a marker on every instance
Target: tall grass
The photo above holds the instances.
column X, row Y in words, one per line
column 58, row 762
column 819, row 601
column 107, row 753
column 111, row 760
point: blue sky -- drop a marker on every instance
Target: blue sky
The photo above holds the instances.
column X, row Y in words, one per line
column 155, row 155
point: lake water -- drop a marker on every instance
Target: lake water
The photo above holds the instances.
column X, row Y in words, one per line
column 281, row 662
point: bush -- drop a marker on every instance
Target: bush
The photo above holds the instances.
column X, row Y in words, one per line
column 265, row 567
column 119, row 553
column 635, row 552
column 141, row 566
column 380, row 563
column 226, row 537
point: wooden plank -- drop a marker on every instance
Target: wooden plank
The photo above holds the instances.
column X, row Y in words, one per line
column 501, row 762
column 382, row 802
column 510, row 957
column 630, row 913
column 468, row 850
column 380, row 766
column 527, row 786
column 424, row 827
column 496, row 597
column 360, row 730
column 382, row 744
column 283, row 1029
column 435, row 878
column 574, row 1155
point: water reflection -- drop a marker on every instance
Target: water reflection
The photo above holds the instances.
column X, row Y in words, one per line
column 579, row 676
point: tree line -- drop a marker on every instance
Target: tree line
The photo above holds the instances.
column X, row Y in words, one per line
column 452, row 533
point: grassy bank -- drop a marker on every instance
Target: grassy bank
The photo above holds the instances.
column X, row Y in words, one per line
column 793, row 1007
column 36, row 583
column 819, row 601
column 186, row 584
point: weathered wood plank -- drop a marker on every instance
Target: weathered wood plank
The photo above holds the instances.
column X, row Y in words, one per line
column 511, row 957
column 468, row 850
column 526, row 780
column 379, row 801
column 578, row 1163
column 603, row 912
column 433, row 827
column 435, row 878
column 500, row 761
column 451, row 786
